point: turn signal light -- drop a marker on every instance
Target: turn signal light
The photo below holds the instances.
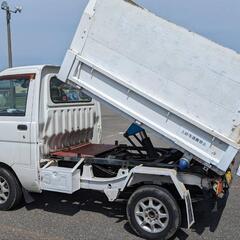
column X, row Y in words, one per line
column 218, row 187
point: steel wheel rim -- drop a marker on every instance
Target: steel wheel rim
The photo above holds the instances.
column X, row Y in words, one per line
column 4, row 190
column 151, row 215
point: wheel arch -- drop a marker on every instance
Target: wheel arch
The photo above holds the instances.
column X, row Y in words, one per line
column 156, row 176
column 169, row 186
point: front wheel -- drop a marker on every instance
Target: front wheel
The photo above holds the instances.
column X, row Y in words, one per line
column 153, row 213
column 10, row 190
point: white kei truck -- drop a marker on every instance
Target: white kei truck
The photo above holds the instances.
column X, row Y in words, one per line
column 167, row 80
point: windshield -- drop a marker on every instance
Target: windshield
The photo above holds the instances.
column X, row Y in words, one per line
column 13, row 94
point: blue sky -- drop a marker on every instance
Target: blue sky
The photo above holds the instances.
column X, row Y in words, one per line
column 45, row 28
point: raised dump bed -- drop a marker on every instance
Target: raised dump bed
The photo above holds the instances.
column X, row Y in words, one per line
column 174, row 82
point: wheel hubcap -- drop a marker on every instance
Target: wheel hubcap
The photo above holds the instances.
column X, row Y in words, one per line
column 4, row 190
column 151, row 215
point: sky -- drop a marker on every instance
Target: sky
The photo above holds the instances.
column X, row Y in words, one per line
column 44, row 30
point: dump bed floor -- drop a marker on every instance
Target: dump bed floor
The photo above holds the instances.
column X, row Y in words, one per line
column 84, row 150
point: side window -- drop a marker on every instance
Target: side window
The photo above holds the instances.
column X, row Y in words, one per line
column 64, row 93
column 13, row 96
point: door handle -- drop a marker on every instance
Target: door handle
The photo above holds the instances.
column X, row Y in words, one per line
column 22, row 127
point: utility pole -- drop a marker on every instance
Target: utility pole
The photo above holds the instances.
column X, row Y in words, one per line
column 9, row 12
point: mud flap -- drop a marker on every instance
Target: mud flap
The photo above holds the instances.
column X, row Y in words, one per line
column 27, row 196
column 189, row 209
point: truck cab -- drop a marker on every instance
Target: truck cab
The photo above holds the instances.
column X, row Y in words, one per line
column 39, row 114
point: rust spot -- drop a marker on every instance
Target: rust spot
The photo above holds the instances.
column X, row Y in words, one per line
column 133, row 3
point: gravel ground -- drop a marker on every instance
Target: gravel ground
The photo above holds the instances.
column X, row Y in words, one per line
column 87, row 214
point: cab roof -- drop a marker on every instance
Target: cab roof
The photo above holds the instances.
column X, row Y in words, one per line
column 27, row 69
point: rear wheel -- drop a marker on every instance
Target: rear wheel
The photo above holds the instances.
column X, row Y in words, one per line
column 10, row 190
column 153, row 213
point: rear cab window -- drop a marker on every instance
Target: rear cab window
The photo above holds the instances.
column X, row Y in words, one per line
column 14, row 93
column 61, row 92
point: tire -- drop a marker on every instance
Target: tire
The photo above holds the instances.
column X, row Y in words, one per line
column 157, row 210
column 10, row 190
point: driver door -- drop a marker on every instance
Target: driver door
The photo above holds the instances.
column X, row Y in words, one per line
column 16, row 94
